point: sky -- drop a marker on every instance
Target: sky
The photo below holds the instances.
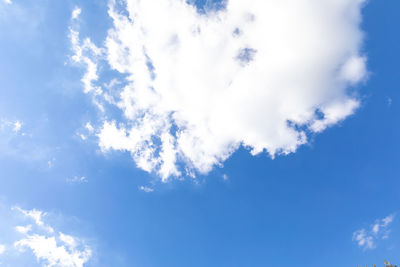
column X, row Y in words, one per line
column 200, row 133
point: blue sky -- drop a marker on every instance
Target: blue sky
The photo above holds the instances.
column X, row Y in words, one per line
column 207, row 201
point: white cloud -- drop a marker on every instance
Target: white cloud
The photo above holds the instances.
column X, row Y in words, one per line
column 50, row 163
column 89, row 127
column 77, row 180
column 53, row 252
column 2, row 249
column 14, row 126
column 80, row 50
column 52, row 249
column 36, row 216
column 7, row 1
column 261, row 74
column 82, row 136
column 366, row 239
column 75, row 13
column 17, row 126
column 89, row 130
column 23, row 229
column 146, row 189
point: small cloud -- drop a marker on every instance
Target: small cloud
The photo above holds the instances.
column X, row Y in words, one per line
column 50, row 163
column 388, row 220
column 7, row 2
column 389, row 101
column 78, row 180
column 9, row 125
column 17, row 126
column 82, row 136
column 2, row 249
column 75, row 13
column 363, row 239
column 23, row 229
column 146, row 189
column 89, row 127
column 50, row 248
column 87, row 132
column 225, row 177
column 366, row 239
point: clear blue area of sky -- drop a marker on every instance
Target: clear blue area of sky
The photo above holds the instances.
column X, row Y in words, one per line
column 295, row 210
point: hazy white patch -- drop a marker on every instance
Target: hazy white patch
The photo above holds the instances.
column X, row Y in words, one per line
column 366, row 239
column 14, row 126
column 17, row 126
column 7, row 1
column 389, row 101
column 75, row 13
column 89, row 127
column 23, row 229
column 82, row 136
column 77, row 180
column 363, row 239
column 225, row 177
column 88, row 130
column 146, row 189
column 50, row 163
column 2, row 249
column 261, row 74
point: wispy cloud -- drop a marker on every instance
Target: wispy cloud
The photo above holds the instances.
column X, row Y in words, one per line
column 35, row 215
column 27, row 232
column 146, row 189
column 50, row 247
column 389, row 101
column 15, row 126
column 367, row 238
column 77, row 180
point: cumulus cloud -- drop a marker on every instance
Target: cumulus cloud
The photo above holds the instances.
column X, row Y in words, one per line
column 366, row 238
column 195, row 86
column 49, row 247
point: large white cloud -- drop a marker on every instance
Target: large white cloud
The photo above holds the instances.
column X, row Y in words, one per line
column 262, row 73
